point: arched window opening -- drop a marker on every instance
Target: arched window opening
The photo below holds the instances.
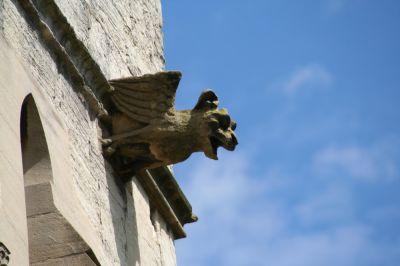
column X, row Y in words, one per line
column 51, row 238
column 35, row 154
column 37, row 176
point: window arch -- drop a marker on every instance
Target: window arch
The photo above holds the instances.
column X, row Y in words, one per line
column 51, row 238
column 35, row 153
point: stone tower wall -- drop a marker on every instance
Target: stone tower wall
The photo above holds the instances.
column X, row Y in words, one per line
column 115, row 38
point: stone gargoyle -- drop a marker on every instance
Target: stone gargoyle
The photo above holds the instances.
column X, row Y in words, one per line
column 147, row 131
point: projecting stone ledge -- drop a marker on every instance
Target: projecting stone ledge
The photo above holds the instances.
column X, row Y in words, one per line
column 166, row 196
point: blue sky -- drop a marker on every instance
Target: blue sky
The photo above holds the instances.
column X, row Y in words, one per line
column 315, row 88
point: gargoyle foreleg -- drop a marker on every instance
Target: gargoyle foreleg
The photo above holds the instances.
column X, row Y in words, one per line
column 109, row 144
column 128, row 134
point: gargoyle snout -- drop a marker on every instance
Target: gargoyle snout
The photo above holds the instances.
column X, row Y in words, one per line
column 223, row 131
column 220, row 125
column 234, row 141
column 230, row 143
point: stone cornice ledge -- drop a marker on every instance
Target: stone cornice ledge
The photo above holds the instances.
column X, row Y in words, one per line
column 51, row 36
column 161, row 202
column 81, row 70
column 166, row 181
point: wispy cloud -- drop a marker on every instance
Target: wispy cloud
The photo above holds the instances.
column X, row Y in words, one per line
column 231, row 206
column 333, row 205
column 308, row 76
column 334, row 6
column 247, row 220
column 369, row 164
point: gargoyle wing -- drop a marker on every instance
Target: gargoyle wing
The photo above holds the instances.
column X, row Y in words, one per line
column 147, row 97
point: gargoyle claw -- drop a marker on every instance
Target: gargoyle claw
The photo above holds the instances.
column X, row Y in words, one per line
column 105, row 142
column 109, row 151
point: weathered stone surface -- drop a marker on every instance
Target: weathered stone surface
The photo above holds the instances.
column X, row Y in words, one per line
column 40, row 199
column 155, row 235
column 74, row 260
column 52, row 230
column 124, row 37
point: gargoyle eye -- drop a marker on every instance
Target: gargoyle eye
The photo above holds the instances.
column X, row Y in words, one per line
column 225, row 121
column 213, row 124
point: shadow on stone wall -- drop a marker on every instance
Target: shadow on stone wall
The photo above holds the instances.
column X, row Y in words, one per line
column 125, row 224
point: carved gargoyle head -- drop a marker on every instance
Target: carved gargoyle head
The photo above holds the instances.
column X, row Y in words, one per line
column 216, row 125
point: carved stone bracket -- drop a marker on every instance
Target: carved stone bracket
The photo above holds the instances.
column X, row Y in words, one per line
column 147, row 132
column 4, row 255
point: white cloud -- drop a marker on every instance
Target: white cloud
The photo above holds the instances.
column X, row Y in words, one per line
column 332, row 205
column 353, row 161
column 344, row 245
column 334, row 6
column 231, row 205
column 309, row 76
column 369, row 164
column 247, row 220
